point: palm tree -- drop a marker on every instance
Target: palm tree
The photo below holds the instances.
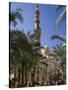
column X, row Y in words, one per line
column 60, row 50
column 18, row 45
column 36, row 59
column 14, row 16
column 59, row 54
column 22, row 47
column 35, row 54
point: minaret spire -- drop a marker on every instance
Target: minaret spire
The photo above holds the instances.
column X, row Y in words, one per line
column 37, row 6
column 37, row 31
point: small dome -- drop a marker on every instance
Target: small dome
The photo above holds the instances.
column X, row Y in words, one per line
column 45, row 46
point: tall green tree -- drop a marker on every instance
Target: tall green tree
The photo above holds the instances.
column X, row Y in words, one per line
column 59, row 54
column 19, row 47
column 24, row 54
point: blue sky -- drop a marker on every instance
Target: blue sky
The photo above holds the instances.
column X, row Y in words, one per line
column 48, row 17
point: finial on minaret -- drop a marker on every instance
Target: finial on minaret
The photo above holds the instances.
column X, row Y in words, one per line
column 37, row 6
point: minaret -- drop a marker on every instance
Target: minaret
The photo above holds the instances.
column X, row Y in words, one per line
column 37, row 31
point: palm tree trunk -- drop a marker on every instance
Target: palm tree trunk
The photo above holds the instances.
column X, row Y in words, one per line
column 22, row 78
column 33, row 76
column 38, row 76
column 25, row 76
column 18, row 76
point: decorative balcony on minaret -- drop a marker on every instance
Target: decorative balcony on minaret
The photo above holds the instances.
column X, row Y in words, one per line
column 37, row 31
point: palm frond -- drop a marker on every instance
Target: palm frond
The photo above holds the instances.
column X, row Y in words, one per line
column 19, row 16
column 14, row 16
column 58, row 37
column 60, row 18
column 58, row 7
